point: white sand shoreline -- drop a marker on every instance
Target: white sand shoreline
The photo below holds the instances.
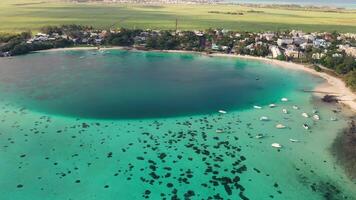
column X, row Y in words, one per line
column 333, row 85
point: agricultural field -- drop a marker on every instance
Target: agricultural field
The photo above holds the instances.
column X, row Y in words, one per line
column 20, row 15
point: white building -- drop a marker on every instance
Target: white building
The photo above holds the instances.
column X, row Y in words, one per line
column 319, row 43
column 286, row 41
column 351, row 51
column 275, row 51
column 318, row 56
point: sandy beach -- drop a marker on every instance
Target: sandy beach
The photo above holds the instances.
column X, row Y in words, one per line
column 333, row 85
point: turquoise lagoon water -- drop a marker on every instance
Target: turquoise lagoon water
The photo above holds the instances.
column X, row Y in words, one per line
column 142, row 125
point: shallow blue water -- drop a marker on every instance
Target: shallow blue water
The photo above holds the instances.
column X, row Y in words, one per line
column 59, row 141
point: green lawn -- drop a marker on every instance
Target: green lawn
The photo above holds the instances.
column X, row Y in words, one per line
column 19, row 15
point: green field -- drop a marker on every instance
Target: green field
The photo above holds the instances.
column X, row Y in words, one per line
column 19, row 15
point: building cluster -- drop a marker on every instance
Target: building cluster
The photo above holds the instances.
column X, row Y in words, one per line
column 83, row 37
column 293, row 44
column 281, row 45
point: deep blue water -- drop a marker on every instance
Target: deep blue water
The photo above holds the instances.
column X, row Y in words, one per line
column 121, row 84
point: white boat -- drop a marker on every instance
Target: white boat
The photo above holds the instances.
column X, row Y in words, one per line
column 295, row 107
column 280, row 126
column 81, row 57
column 315, row 111
column 259, row 136
column 264, row 118
column 257, row 107
column 293, row 140
column 276, row 145
column 272, row 105
column 219, row 131
column 305, row 115
column 284, row 99
column 306, row 126
column 285, row 111
column 222, row 111
column 333, row 119
column 316, row 117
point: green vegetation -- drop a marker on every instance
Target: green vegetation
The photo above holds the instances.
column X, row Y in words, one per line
column 317, row 68
column 350, row 80
column 22, row 15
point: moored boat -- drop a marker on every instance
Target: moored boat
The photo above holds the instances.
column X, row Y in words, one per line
column 306, row 126
column 280, row 126
column 219, row 131
column 257, row 107
column 222, row 111
column 284, row 99
column 272, row 105
column 316, row 117
column 264, row 118
column 305, row 115
column 276, row 145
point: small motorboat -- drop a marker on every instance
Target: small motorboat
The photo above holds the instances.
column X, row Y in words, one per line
column 285, row 111
column 333, row 119
column 280, row 126
column 293, row 140
column 222, row 111
column 219, row 131
column 259, row 136
column 264, row 118
column 316, row 117
column 284, row 99
column 315, row 111
column 305, row 115
column 306, row 126
column 272, row 105
column 257, row 107
column 295, row 107
column 276, row 145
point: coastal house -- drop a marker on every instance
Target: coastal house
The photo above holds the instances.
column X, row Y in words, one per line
column 298, row 40
column 297, row 33
column 305, row 45
column 98, row 41
column 337, row 55
column 284, row 41
column 215, row 47
column 309, row 37
column 349, row 35
column 275, row 51
column 292, row 52
column 237, row 35
column 199, row 33
column 320, row 43
column 351, row 51
column 268, row 36
column 317, row 56
column 5, row 54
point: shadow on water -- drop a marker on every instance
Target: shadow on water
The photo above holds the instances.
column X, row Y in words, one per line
column 344, row 148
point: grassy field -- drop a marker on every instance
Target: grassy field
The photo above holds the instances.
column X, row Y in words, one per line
column 19, row 15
